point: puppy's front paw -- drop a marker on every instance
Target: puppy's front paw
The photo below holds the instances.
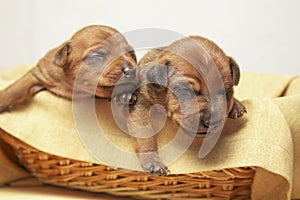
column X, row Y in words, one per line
column 237, row 110
column 156, row 168
column 125, row 99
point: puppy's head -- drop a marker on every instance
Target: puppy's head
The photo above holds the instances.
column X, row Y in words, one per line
column 97, row 58
column 197, row 79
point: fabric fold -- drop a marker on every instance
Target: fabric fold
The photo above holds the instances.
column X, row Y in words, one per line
column 263, row 138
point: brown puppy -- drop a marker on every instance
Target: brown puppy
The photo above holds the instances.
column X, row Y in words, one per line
column 94, row 60
column 193, row 80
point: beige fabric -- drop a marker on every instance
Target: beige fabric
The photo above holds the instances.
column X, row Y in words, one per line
column 294, row 87
column 259, row 85
column 263, row 138
column 290, row 107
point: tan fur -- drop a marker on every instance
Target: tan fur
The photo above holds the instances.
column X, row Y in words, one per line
column 73, row 60
column 172, row 66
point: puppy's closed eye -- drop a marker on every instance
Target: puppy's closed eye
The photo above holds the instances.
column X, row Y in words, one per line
column 183, row 92
column 95, row 58
column 96, row 55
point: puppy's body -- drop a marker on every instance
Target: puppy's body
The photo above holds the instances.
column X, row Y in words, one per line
column 94, row 60
column 186, row 72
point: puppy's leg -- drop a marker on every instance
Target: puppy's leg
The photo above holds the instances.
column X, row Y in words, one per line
column 25, row 87
column 146, row 150
column 238, row 109
column 144, row 140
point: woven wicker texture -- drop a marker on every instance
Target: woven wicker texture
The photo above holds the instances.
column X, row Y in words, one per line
column 233, row 183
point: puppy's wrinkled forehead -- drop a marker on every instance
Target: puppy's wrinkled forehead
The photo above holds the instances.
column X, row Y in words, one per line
column 199, row 59
column 99, row 39
column 193, row 53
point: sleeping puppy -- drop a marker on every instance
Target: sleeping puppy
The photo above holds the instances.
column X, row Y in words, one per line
column 94, row 60
column 193, row 80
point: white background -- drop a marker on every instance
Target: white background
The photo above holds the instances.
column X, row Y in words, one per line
column 262, row 35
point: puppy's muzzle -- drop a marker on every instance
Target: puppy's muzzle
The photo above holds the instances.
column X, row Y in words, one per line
column 207, row 120
column 210, row 117
column 129, row 76
column 128, row 82
column 209, row 123
column 129, row 73
column 204, row 126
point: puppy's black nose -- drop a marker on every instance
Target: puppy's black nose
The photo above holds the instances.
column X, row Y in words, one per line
column 129, row 73
column 210, row 123
column 206, row 123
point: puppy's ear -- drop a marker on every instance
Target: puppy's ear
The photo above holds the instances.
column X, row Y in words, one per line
column 235, row 71
column 158, row 75
column 132, row 54
column 61, row 56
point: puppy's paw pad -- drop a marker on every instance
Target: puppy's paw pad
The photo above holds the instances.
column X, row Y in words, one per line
column 156, row 168
column 237, row 111
column 125, row 99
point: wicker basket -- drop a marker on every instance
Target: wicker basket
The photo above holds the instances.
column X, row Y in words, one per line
column 233, row 183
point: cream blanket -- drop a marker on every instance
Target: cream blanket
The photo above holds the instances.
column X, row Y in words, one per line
column 268, row 137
